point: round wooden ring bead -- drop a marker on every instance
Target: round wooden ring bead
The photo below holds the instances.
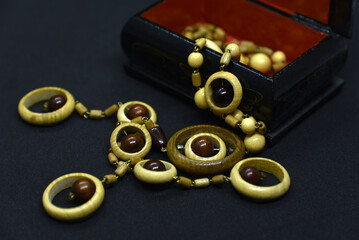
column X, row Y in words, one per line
column 155, row 177
column 43, row 94
column 237, row 90
column 131, row 127
column 199, row 167
column 259, row 192
column 221, row 145
column 121, row 114
column 74, row 213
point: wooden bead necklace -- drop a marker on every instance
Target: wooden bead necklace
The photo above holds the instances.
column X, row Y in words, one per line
column 200, row 150
column 222, row 94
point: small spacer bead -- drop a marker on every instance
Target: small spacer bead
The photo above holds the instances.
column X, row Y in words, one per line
column 195, row 60
column 200, row 43
column 231, row 121
column 80, row 109
column 226, row 58
column 149, row 124
column 134, row 161
column 196, row 79
column 185, row 182
column 137, row 120
column 96, row 114
column 201, row 182
column 218, row 179
column 122, row 169
column 112, row 158
column 262, row 128
column 110, row 178
column 111, row 110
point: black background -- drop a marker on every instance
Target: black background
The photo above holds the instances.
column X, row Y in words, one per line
column 76, row 45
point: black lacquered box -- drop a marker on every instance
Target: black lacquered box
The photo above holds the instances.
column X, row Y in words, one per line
column 311, row 33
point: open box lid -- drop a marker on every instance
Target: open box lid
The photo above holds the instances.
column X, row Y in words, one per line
column 337, row 14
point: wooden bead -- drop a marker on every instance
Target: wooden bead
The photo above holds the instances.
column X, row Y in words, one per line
column 232, row 121
column 96, row 114
column 122, row 111
column 149, row 124
column 83, row 189
column 254, row 143
column 237, row 92
column 196, row 79
column 122, row 169
column 200, row 43
column 248, row 125
column 112, row 158
column 201, row 167
column 200, row 99
column 262, row 128
column 81, row 109
column 110, row 179
column 244, row 60
column 218, row 179
column 279, row 57
column 201, row 182
column 132, row 143
column 233, row 49
column 43, row 94
column 265, row 50
column 155, row 177
column 74, row 213
column 260, row 62
column 159, row 139
column 137, row 110
column 56, row 102
column 188, row 35
column 247, row 47
column 154, row 165
column 251, row 175
column 276, row 67
column 261, row 192
column 184, row 182
column 203, row 146
column 222, row 95
column 138, row 120
column 135, row 160
column 195, row 60
column 225, row 59
column 212, row 45
column 111, row 110
column 238, row 114
column 219, row 34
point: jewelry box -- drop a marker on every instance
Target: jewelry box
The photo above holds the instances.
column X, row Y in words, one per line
column 311, row 33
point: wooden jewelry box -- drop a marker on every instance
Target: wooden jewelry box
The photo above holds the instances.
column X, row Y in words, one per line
column 311, row 33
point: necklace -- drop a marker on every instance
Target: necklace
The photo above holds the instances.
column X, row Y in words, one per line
column 201, row 150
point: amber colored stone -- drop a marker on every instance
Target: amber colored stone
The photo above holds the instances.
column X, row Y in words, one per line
column 56, row 102
column 159, row 139
column 83, row 189
column 137, row 110
column 132, row 143
column 222, row 95
column 154, row 165
column 203, row 146
column 251, row 175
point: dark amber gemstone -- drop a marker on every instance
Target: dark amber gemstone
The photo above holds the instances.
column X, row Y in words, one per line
column 154, row 165
column 159, row 139
column 222, row 95
column 132, row 143
column 251, row 175
column 203, row 146
column 137, row 110
column 83, row 189
column 56, row 102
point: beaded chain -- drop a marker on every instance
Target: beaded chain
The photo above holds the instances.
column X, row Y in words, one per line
column 207, row 97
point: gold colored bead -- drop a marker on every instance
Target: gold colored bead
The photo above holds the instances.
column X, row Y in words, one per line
column 231, row 121
column 247, row 47
column 238, row 114
column 254, row 143
column 80, row 109
column 200, row 43
column 276, row 67
column 149, row 124
column 233, row 49
column 225, row 59
column 248, row 125
column 96, row 114
column 112, row 158
column 219, row 34
column 196, row 79
column 188, row 35
column 200, row 99
column 122, row 169
column 265, row 50
column 201, row 182
column 218, row 179
column 195, row 60
column 135, row 160
column 260, row 62
column 244, row 60
column 279, row 57
column 185, row 182
column 111, row 110
column 110, row 178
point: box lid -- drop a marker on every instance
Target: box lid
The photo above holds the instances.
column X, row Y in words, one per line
column 337, row 14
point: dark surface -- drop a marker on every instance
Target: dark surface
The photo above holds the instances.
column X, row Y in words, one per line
column 76, row 45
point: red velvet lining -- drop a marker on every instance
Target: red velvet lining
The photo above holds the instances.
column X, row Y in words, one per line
column 241, row 20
